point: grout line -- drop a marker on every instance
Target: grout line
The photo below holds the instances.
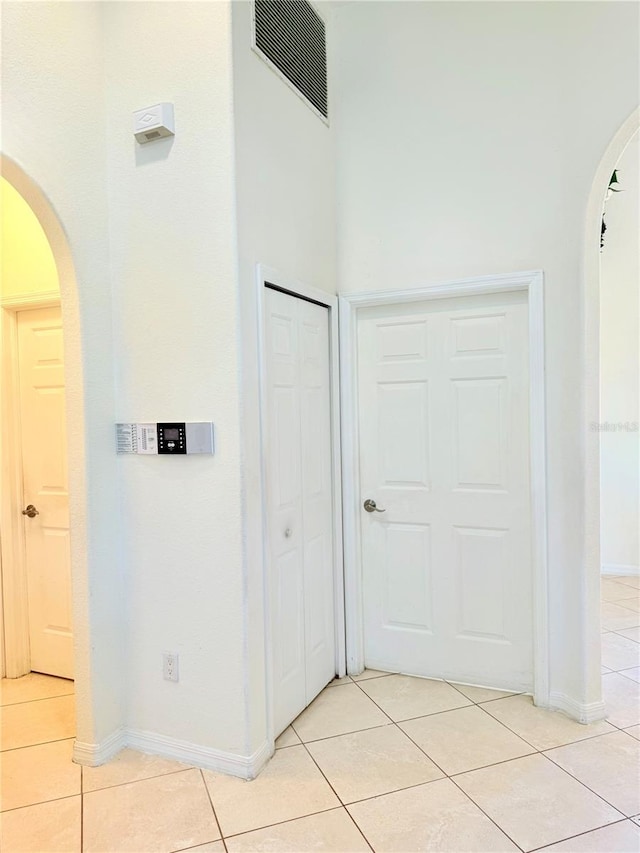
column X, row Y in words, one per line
column 31, row 701
column 584, row 785
column 571, row 837
column 213, row 809
column 281, row 822
column 39, row 803
column 341, row 734
column 144, row 778
column 488, row 816
column 39, row 743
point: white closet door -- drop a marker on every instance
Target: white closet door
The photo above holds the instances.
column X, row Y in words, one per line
column 444, row 449
column 299, row 512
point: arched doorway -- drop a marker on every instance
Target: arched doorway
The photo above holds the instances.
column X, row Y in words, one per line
column 16, row 650
column 592, row 378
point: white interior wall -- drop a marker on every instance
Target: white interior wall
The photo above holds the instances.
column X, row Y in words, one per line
column 173, row 251
column 53, row 128
column 468, row 136
column 620, row 371
column 286, row 220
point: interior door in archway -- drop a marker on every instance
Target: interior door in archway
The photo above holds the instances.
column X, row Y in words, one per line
column 44, row 474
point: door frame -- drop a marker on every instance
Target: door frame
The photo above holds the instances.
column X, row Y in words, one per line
column 15, row 600
column 532, row 283
column 265, row 276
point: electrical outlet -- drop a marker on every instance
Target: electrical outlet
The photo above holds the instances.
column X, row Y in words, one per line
column 170, row 666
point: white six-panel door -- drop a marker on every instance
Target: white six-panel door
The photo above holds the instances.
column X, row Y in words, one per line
column 444, row 450
column 299, row 498
column 44, row 475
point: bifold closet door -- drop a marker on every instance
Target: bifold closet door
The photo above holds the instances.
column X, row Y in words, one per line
column 299, row 494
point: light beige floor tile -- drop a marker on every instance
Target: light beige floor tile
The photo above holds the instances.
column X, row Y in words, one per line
column 622, row 700
column 376, row 761
column 619, row 652
column 630, row 633
column 36, row 774
column 481, row 694
column 331, row 831
column 535, row 802
column 127, row 766
column 403, row 697
column 609, row 765
column 465, row 739
column 621, row 837
column 634, row 731
column 43, row 828
column 541, row 728
column 212, row 847
column 631, row 603
column 604, row 670
column 336, row 712
column 290, row 786
column 616, row 618
column 612, row 590
column 33, row 686
column 629, row 580
column 369, row 673
column 338, row 682
column 433, row 817
column 38, row 722
column 633, row 673
column 287, row 738
column 169, row 812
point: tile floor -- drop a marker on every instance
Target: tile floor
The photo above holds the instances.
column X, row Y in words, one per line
column 378, row 762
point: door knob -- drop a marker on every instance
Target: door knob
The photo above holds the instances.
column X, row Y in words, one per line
column 370, row 506
column 31, row 511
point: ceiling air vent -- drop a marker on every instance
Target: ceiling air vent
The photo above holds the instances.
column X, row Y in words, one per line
column 290, row 36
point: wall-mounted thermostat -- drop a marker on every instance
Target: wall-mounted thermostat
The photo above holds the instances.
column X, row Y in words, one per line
column 169, row 438
column 154, row 123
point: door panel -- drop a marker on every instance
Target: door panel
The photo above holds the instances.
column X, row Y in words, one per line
column 44, row 470
column 444, row 449
column 300, row 506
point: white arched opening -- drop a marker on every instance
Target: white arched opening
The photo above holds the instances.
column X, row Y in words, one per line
column 52, row 227
column 591, row 387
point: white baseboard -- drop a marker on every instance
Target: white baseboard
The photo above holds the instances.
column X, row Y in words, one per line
column 94, row 754
column 246, row 767
column 619, row 569
column 582, row 712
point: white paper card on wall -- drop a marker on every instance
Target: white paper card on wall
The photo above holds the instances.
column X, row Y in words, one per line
column 147, row 438
column 126, row 438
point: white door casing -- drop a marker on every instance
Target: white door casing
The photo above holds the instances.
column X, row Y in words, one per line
column 443, row 415
column 530, row 283
column 44, row 481
column 299, row 502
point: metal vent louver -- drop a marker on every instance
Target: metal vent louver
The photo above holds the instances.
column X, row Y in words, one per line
column 291, row 36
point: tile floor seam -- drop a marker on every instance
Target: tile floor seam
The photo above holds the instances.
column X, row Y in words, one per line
column 39, row 802
column 330, row 737
column 31, row 701
column 38, row 743
column 143, row 779
column 357, row 683
column 488, row 816
column 213, row 808
column 578, row 835
column 584, row 785
column 282, row 822
column 509, row 729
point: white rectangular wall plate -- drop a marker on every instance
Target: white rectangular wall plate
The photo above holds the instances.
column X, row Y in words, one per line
column 164, row 438
column 153, row 123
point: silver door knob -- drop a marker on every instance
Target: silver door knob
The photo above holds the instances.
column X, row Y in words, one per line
column 370, row 506
column 31, row 511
